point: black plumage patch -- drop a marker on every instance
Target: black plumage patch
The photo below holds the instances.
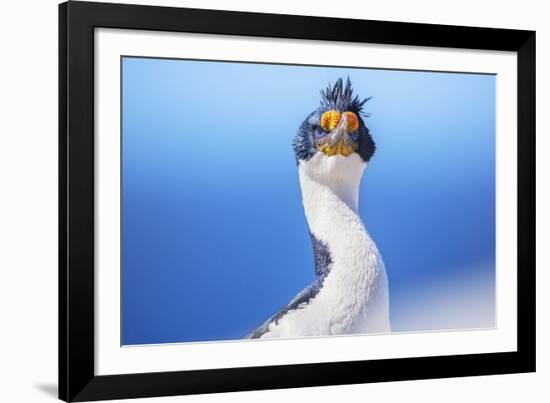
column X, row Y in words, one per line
column 367, row 147
column 303, row 143
column 321, row 257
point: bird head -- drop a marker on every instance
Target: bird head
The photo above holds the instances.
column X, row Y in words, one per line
column 335, row 131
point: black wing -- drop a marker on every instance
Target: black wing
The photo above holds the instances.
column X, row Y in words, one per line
column 323, row 262
column 298, row 302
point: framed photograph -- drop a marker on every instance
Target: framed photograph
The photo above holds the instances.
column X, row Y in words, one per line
column 254, row 201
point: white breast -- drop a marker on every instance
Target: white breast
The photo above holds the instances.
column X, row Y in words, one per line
column 354, row 295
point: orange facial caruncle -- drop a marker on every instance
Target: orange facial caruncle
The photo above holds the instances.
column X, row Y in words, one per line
column 352, row 122
column 330, row 120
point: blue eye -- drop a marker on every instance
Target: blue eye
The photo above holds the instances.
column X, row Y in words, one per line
column 355, row 135
column 319, row 132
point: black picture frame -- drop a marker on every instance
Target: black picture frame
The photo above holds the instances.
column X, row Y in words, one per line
column 77, row 379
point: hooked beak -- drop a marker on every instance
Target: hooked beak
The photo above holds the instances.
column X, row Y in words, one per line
column 338, row 141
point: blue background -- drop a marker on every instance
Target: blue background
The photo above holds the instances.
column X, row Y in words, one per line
column 214, row 235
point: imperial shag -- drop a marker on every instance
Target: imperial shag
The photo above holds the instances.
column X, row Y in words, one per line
column 350, row 293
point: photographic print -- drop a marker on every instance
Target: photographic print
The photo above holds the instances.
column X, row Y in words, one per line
column 253, row 201
column 265, row 201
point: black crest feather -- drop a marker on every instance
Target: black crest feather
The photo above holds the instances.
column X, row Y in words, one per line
column 340, row 97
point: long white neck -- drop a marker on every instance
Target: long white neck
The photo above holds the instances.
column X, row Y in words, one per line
column 357, row 277
column 330, row 193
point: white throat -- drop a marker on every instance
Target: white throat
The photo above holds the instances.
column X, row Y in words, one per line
column 338, row 175
column 357, row 281
column 330, row 193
